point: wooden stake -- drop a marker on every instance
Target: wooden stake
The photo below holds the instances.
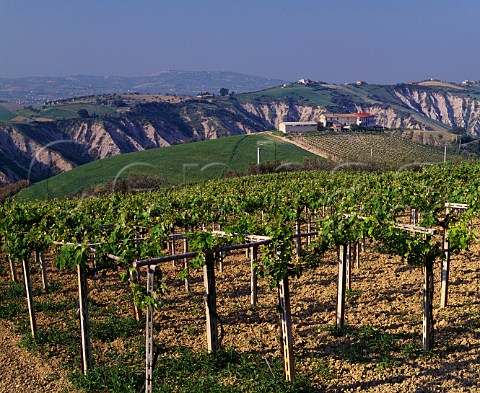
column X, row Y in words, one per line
column 348, row 265
column 427, row 296
column 358, row 247
column 172, row 250
column 413, row 216
column 220, row 262
column 185, row 265
column 299, row 239
column 40, row 259
column 84, row 323
column 28, row 290
column 210, row 303
column 287, row 340
column 13, row 269
column 309, row 229
column 149, row 332
column 342, row 273
column 445, row 271
column 134, row 279
column 253, row 276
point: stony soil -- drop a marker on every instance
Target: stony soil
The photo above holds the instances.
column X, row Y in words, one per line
column 385, row 302
column 22, row 372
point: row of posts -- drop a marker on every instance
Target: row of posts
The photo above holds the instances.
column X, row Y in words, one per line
column 348, row 255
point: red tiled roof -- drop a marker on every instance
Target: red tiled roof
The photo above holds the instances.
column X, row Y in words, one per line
column 358, row 114
column 364, row 114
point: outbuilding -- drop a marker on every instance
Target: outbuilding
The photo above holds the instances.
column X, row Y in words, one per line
column 297, row 127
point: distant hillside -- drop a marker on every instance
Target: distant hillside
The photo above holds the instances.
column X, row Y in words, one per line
column 38, row 90
column 39, row 141
column 176, row 165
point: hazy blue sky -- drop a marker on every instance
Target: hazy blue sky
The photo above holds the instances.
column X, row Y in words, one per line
column 383, row 41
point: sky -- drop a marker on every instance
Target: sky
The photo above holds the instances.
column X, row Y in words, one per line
column 379, row 41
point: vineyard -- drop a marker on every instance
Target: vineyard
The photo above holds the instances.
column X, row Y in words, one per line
column 309, row 281
column 385, row 150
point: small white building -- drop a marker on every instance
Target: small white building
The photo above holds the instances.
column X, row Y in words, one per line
column 297, row 127
column 346, row 120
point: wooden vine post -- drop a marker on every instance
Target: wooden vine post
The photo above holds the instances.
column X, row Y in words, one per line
column 413, row 216
column 427, row 295
column 445, row 264
column 84, row 323
column 210, row 302
column 134, row 274
column 309, row 227
column 427, row 290
column 13, row 269
column 446, row 254
column 41, row 260
column 28, row 290
column 298, row 242
column 358, row 249
column 286, row 339
column 348, row 266
column 149, row 332
column 253, row 275
column 341, row 287
column 220, row 261
column 185, row 266
column 171, row 246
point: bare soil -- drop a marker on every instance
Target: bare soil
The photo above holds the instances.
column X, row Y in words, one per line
column 22, row 372
column 380, row 350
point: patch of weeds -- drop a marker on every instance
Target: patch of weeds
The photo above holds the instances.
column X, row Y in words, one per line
column 252, row 308
column 226, row 370
column 4, row 272
column 12, row 311
column 49, row 306
column 114, row 327
column 97, row 309
column 334, row 331
column 386, row 363
column 116, row 378
column 368, row 344
column 322, row 370
column 352, row 294
column 13, row 291
column 190, row 330
column 413, row 349
column 378, row 341
column 12, row 302
column 48, row 338
column 54, row 286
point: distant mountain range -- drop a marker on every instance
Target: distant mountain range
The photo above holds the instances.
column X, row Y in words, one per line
column 38, row 141
column 38, row 90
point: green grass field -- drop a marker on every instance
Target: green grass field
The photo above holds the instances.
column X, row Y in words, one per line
column 178, row 164
column 296, row 92
column 67, row 110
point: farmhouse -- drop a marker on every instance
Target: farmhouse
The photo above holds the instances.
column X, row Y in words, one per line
column 346, row 120
column 297, row 127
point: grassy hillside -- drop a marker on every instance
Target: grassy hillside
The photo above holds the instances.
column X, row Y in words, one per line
column 178, row 164
column 7, row 110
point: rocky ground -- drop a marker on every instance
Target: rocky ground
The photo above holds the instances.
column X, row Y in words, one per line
column 379, row 351
column 22, row 372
